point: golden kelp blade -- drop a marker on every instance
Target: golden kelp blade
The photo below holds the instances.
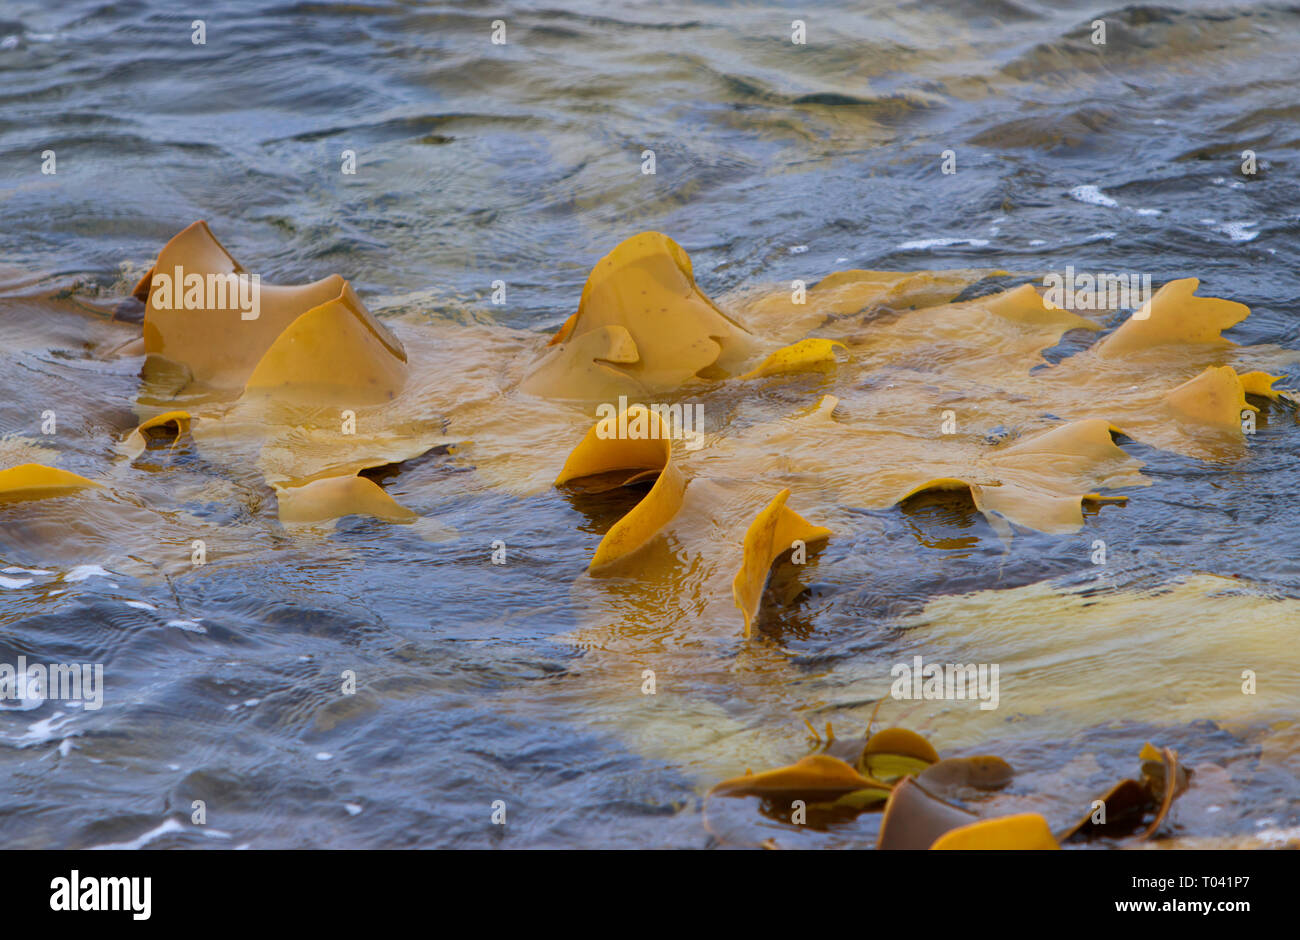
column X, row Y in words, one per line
column 588, row 364
column 1041, row 481
column 772, row 533
column 37, row 481
column 335, row 352
column 1261, row 383
column 646, row 288
column 177, row 422
column 1024, row 831
column 808, row 355
column 896, row 752
column 335, row 497
column 1216, row 397
column 1173, row 316
column 204, row 328
column 635, row 439
column 817, row 777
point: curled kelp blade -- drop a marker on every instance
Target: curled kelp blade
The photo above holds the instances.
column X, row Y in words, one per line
column 893, row 753
column 1023, row 831
column 206, row 313
column 636, row 440
column 773, row 532
column 655, row 330
column 335, row 352
column 170, row 425
column 914, row 818
column 37, row 481
column 1165, row 779
column 1174, row 316
column 590, row 366
column 1122, row 809
column 334, row 497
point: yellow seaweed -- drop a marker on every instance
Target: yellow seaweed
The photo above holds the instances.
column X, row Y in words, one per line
column 207, row 331
column 808, row 355
column 815, row 777
column 1174, row 316
column 335, row 351
column 772, row 533
column 603, row 450
column 1023, row 831
column 334, row 497
column 666, row 330
column 37, row 481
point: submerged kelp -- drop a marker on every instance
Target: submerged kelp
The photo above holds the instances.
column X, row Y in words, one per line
column 319, row 396
column 489, row 181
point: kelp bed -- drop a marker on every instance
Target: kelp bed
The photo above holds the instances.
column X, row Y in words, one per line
column 873, row 390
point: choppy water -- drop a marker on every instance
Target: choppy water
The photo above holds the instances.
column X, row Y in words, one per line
column 478, row 162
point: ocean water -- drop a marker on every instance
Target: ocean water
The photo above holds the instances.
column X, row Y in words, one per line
column 521, row 162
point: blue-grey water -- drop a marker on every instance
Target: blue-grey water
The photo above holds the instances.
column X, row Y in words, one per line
column 521, row 162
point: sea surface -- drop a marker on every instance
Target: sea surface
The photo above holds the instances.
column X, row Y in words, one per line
column 521, row 162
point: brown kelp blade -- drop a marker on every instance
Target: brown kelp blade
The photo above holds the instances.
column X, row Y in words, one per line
column 914, row 818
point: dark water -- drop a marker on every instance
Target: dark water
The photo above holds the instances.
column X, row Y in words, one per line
column 521, row 162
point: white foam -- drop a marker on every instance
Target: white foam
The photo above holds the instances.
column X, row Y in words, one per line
column 1093, row 196
column 139, row 605
column 324, row 755
column 82, row 572
column 192, row 625
column 924, row 244
column 26, row 571
column 12, row 583
column 798, row 249
column 168, row 825
column 1238, row 231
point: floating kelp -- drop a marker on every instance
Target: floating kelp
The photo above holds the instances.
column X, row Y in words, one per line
column 37, row 481
column 645, row 449
column 643, row 326
column 776, row 530
column 901, row 772
column 228, row 329
column 1123, row 807
column 170, row 425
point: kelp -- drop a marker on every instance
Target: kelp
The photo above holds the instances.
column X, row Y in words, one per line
column 901, row 774
column 1123, row 808
column 902, row 390
column 37, row 481
column 170, row 425
column 647, row 454
column 775, row 531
